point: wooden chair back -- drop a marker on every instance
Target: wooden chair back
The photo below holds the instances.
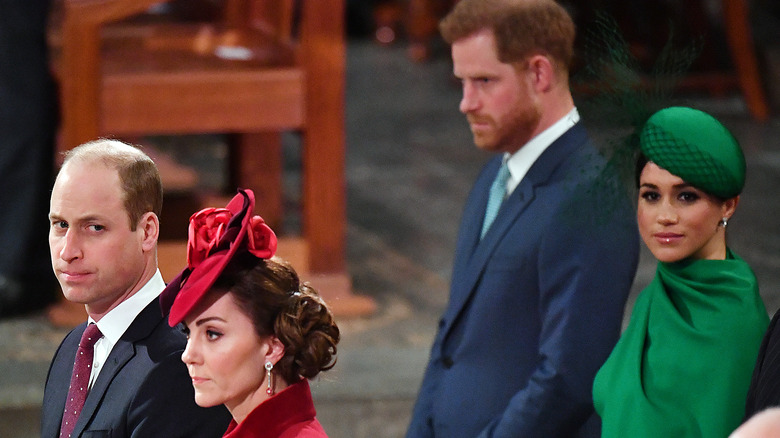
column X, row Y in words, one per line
column 262, row 67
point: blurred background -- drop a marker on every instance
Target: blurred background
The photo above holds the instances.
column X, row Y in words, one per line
column 359, row 156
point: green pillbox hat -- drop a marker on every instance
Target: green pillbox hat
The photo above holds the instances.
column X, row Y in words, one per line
column 694, row 146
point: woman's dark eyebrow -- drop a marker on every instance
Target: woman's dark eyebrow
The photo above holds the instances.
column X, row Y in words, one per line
column 210, row 318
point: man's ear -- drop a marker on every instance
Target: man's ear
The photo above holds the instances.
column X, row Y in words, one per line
column 541, row 72
column 150, row 225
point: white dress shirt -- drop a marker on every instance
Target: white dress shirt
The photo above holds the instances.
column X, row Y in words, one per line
column 114, row 323
column 524, row 158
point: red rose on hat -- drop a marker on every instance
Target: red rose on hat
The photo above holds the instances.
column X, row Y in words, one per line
column 262, row 240
column 215, row 236
column 206, row 229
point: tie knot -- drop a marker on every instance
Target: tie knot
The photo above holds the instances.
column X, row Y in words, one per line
column 503, row 172
column 90, row 336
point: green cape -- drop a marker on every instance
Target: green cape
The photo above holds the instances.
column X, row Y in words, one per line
column 683, row 365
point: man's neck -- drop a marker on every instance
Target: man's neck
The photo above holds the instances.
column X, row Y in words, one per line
column 554, row 108
column 99, row 309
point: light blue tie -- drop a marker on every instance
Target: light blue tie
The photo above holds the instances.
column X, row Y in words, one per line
column 496, row 197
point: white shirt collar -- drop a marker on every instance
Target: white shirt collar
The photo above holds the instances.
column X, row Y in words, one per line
column 521, row 161
column 116, row 322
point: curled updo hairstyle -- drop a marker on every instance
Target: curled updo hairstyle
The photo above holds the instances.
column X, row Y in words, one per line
column 271, row 294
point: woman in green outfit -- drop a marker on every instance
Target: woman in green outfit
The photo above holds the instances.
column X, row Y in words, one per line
column 683, row 365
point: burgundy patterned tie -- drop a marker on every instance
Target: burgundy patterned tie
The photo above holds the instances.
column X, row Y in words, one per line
column 79, row 381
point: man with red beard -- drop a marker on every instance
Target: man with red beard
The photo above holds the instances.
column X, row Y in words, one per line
column 547, row 247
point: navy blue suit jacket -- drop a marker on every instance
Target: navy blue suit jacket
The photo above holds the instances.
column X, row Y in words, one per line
column 536, row 306
column 143, row 390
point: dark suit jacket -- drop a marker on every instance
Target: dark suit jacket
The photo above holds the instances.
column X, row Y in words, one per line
column 764, row 390
column 143, row 390
column 536, row 306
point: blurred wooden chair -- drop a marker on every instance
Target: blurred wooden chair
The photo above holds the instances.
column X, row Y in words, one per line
column 261, row 68
column 743, row 51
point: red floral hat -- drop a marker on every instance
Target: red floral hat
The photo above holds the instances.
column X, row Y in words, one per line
column 215, row 235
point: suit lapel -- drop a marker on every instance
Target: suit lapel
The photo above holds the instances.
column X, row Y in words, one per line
column 473, row 215
column 473, row 254
column 120, row 355
column 58, row 382
column 468, row 271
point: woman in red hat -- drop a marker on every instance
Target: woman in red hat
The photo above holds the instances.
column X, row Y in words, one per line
column 255, row 332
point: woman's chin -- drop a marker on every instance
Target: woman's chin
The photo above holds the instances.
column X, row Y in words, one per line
column 204, row 401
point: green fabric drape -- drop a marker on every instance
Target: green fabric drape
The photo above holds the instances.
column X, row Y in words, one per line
column 683, row 365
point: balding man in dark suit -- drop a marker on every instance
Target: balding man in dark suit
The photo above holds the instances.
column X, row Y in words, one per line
column 104, row 225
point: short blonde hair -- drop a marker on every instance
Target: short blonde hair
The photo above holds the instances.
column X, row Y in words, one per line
column 138, row 175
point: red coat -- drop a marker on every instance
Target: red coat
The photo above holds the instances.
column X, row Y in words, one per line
column 288, row 414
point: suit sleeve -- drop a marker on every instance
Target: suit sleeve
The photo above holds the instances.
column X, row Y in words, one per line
column 164, row 406
column 419, row 426
column 423, row 407
column 586, row 267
